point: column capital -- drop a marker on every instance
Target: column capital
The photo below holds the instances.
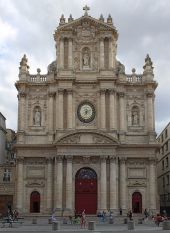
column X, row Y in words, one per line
column 70, row 91
column 69, row 158
column 20, row 159
column 102, row 91
column 152, row 160
column 121, row 94
column 49, row 159
column 59, row 158
column 51, row 93
column 113, row 158
column 21, row 94
column 122, row 160
column 103, row 158
column 150, row 95
column 60, row 90
column 112, row 90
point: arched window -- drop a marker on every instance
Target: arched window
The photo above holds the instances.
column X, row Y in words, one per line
column 35, row 202
column 135, row 115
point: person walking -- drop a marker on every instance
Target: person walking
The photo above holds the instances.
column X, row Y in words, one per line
column 83, row 219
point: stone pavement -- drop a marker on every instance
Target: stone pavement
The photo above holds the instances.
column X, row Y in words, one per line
column 43, row 227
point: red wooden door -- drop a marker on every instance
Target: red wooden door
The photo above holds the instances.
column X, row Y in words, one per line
column 137, row 202
column 35, row 202
column 86, row 191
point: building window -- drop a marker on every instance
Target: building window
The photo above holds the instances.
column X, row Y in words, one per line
column 6, row 175
column 162, row 137
column 167, row 179
column 166, row 133
column 162, row 149
column 167, row 162
column 163, row 164
column 166, row 146
column 163, row 181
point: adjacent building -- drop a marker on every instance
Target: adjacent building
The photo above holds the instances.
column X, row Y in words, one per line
column 163, row 169
column 2, row 138
column 86, row 129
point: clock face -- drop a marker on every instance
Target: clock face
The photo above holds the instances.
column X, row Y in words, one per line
column 86, row 112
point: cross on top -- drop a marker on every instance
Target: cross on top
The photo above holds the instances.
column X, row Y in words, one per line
column 86, row 9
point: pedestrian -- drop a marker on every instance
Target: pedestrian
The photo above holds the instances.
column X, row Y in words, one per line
column 83, row 219
column 130, row 215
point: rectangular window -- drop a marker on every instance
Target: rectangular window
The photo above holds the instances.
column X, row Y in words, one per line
column 163, row 181
column 162, row 137
column 167, row 180
column 163, row 164
column 166, row 133
column 167, row 162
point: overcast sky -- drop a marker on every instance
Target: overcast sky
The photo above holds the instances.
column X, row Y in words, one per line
column 27, row 27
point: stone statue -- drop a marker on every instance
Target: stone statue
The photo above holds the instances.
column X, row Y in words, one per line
column 86, row 59
column 37, row 117
column 135, row 118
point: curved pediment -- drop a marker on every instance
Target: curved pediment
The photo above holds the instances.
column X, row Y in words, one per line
column 87, row 138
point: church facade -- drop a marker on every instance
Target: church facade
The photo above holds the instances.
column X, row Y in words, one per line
column 86, row 134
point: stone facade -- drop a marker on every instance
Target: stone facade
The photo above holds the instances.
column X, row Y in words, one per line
column 86, row 112
column 163, row 169
column 2, row 138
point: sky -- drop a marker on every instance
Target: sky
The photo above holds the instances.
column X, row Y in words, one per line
column 27, row 27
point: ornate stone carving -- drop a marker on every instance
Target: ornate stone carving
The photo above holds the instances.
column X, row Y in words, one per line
column 135, row 183
column 74, row 139
column 86, row 159
column 35, row 183
column 97, row 139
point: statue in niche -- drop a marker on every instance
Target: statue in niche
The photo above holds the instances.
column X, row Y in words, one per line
column 135, row 117
column 37, row 117
column 86, row 58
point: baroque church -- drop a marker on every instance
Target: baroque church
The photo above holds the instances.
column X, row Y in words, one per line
column 86, row 129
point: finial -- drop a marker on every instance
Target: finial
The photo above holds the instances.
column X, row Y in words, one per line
column 86, row 9
column 23, row 65
column 109, row 19
column 101, row 18
column 62, row 20
column 38, row 70
column 70, row 18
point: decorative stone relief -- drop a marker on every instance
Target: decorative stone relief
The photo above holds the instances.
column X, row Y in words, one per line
column 101, row 140
column 74, row 139
column 35, row 183
column 137, row 183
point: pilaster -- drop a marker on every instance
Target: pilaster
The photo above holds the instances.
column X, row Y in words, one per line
column 103, row 109
column 69, row 178
column 103, row 184
column 122, row 183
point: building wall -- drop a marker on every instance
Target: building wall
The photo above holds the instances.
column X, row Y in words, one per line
column 86, row 112
column 2, row 139
column 163, row 169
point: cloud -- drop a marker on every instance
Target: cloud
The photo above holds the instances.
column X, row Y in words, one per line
column 27, row 27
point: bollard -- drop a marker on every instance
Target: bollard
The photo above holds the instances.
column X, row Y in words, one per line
column 111, row 220
column 125, row 220
column 91, row 226
column 34, row 221
column 49, row 221
column 56, row 226
column 131, row 225
column 140, row 221
column 166, row 225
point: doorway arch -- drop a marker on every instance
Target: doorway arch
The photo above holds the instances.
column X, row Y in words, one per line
column 137, row 202
column 35, row 202
column 86, row 191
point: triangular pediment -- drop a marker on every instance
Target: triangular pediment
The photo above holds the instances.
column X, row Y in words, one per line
column 93, row 138
column 87, row 23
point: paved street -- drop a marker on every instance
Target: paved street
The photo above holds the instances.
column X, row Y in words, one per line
column 43, row 226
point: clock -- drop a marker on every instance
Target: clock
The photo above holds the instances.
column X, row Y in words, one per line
column 86, row 112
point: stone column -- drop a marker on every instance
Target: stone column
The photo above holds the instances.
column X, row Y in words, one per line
column 69, row 185
column 60, row 108
column 101, row 53
column 61, row 53
column 51, row 113
column 70, row 53
column 20, row 184
column 102, row 109
column 49, row 184
column 122, row 183
column 110, row 54
column 150, row 112
column 21, row 111
column 112, row 110
column 70, row 109
column 103, row 185
column 152, row 184
column 113, row 184
column 122, row 111
column 58, row 183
